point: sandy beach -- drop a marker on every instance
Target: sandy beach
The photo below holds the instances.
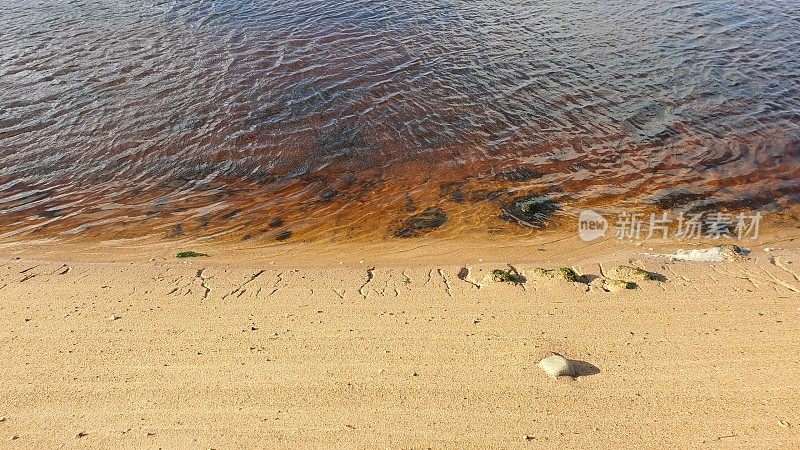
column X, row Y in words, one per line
column 405, row 345
column 399, row 224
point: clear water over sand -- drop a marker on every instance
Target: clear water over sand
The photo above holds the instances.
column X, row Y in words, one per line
column 283, row 120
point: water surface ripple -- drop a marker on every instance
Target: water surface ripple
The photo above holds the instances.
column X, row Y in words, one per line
column 283, row 119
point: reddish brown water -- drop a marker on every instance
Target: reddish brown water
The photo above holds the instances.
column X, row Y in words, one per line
column 310, row 119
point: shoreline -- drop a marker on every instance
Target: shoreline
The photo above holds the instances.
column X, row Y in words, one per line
column 395, row 344
column 433, row 249
column 474, row 223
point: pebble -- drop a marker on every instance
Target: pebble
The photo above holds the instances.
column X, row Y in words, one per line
column 113, row 317
column 767, row 249
column 556, row 366
column 2, row 418
column 784, row 424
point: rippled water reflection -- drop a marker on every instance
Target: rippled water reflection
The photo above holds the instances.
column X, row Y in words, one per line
column 279, row 120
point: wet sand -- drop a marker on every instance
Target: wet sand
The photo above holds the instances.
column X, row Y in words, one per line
column 400, row 344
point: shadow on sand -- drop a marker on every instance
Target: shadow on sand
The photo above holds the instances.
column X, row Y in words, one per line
column 583, row 368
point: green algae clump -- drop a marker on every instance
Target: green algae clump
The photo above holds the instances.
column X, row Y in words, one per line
column 505, row 276
column 633, row 273
column 189, row 254
column 531, row 211
column 563, row 273
column 618, row 285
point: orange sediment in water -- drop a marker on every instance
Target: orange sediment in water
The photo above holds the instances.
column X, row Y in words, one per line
column 403, row 203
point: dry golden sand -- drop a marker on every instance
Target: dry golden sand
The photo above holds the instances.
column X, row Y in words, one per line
column 127, row 346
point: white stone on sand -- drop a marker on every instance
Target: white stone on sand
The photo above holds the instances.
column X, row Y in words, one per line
column 556, row 366
column 726, row 252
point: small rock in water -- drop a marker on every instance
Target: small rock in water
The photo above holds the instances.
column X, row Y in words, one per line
column 556, row 366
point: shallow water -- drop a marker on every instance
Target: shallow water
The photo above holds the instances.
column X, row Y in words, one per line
column 283, row 120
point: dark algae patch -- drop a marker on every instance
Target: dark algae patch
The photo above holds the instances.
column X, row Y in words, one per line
column 409, row 206
column 484, row 195
column 453, row 192
column 532, row 211
column 189, row 254
column 283, row 235
column 231, row 214
column 423, row 222
column 50, row 213
column 176, row 231
column 327, row 195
